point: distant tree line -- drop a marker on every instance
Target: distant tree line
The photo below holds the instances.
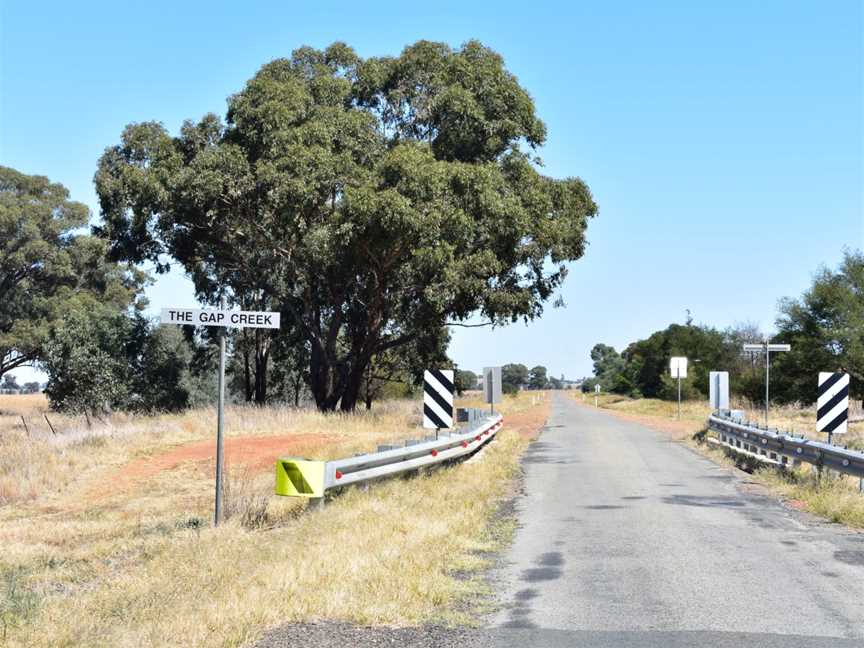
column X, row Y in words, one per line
column 825, row 328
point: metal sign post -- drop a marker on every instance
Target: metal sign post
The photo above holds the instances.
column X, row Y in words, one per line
column 492, row 386
column 224, row 319
column 767, row 348
column 678, row 369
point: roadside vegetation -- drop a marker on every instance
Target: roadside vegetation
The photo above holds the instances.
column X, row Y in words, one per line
column 825, row 328
column 107, row 540
column 832, row 496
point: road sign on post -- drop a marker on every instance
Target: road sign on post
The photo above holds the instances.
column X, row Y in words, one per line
column 228, row 319
column 767, row 348
column 438, row 399
column 678, row 369
column 718, row 390
column 832, row 404
column 492, row 386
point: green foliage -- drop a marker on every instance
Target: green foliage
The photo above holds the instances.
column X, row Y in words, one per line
column 513, row 378
column 537, row 378
column 18, row 600
column 102, row 361
column 610, row 370
column 465, row 380
column 826, row 330
column 46, row 269
column 643, row 368
column 370, row 201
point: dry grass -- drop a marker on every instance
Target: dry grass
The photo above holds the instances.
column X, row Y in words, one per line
column 832, row 496
column 792, row 418
column 86, row 563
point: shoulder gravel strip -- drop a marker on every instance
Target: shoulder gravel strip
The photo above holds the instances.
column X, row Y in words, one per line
column 332, row 634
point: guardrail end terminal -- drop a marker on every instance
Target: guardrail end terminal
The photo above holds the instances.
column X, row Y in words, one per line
column 300, row 478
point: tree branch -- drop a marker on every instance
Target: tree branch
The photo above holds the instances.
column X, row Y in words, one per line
column 490, row 323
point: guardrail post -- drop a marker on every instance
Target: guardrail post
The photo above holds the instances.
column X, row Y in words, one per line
column 316, row 504
column 861, row 485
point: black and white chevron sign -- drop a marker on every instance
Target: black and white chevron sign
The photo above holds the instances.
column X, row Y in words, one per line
column 832, row 405
column 438, row 398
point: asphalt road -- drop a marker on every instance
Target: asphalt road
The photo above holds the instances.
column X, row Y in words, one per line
column 626, row 538
column 629, row 540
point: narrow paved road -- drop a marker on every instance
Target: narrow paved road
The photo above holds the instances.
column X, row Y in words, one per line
column 629, row 539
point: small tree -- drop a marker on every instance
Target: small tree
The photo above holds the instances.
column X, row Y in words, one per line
column 513, row 378
column 537, row 378
column 465, row 380
column 83, row 359
column 103, row 361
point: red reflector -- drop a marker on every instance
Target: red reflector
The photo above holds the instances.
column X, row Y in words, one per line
column 434, row 453
column 464, row 444
column 477, row 438
column 338, row 475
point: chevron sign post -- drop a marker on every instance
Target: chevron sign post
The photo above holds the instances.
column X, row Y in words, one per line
column 832, row 404
column 438, row 399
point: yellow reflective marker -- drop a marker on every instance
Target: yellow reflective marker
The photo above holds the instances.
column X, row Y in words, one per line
column 300, row 478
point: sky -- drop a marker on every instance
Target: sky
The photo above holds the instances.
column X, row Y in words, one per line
column 723, row 142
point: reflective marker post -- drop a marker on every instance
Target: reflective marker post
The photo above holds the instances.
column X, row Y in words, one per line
column 224, row 319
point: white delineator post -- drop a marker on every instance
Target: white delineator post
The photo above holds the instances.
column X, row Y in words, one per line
column 224, row 319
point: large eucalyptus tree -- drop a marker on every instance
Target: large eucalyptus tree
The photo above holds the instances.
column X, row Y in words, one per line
column 370, row 201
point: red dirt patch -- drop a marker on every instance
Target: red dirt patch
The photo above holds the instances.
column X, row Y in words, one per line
column 528, row 422
column 254, row 453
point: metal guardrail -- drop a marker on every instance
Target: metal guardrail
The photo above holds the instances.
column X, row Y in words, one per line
column 774, row 446
column 303, row 478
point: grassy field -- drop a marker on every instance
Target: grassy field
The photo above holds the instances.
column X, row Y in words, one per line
column 834, row 497
column 107, row 540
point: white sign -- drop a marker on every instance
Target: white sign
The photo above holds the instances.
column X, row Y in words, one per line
column 832, row 405
column 718, row 390
column 229, row 318
column 678, row 367
column 438, row 389
column 596, row 389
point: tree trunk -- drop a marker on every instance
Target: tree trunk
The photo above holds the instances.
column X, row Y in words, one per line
column 326, row 379
column 261, row 358
column 354, row 384
column 247, row 377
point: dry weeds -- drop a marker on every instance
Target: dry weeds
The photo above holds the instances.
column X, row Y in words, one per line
column 143, row 566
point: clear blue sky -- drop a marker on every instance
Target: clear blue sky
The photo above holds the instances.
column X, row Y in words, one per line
column 724, row 142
